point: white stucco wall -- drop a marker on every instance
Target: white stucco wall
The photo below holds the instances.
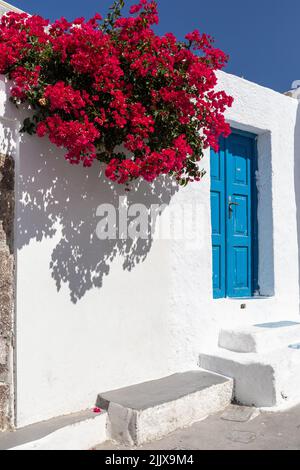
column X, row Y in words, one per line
column 143, row 310
column 5, row 7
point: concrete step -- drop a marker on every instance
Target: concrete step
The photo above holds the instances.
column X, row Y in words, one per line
column 269, row 379
column 78, row 431
column 260, row 338
column 149, row 411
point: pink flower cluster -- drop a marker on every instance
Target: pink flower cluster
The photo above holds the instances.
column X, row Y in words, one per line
column 96, row 90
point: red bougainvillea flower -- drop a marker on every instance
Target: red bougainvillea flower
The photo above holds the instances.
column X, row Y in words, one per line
column 114, row 91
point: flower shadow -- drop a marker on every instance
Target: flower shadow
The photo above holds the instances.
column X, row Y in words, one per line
column 59, row 202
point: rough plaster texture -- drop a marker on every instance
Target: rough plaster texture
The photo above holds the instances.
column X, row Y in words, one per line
column 100, row 315
column 6, row 290
column 149, row 411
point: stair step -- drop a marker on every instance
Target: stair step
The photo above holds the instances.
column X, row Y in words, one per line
column 260, row 338
column 149, row 411
column 261, row 380
column 78, row 431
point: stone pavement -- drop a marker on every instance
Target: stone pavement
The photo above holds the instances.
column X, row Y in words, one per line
column 238, row 428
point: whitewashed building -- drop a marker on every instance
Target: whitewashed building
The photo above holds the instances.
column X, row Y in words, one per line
column 5, row 7
column 81, row 316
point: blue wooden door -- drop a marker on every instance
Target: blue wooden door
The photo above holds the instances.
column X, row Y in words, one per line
column 218, row 212
column 233, row 207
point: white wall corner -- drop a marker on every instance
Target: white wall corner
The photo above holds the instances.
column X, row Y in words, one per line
column 295, row 90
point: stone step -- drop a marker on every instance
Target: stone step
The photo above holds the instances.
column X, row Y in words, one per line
column 270, row 379
column 260, row 338
column 149, row 411
column 78, row 431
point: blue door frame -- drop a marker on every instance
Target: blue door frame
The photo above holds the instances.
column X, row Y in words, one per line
column 234, row 216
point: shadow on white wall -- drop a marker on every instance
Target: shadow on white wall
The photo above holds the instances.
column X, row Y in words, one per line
column 59, row 201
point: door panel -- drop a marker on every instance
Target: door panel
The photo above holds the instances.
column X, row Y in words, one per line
column 232, row 224
column 238, row 237
column 240, row 216
column 217, row 269
column 218, row 220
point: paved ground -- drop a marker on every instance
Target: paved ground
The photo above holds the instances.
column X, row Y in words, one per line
column 237, row 428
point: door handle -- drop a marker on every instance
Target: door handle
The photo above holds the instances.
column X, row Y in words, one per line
column 231, row 209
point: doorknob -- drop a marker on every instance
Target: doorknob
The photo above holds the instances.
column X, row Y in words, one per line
column 231, row 209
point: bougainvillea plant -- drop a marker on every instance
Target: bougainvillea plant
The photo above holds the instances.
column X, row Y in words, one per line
column 114, row 91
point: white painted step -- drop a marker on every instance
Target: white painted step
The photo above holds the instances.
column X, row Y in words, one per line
column 149, row 411
column 262, row 380
column 260, row 338
column 79, row 431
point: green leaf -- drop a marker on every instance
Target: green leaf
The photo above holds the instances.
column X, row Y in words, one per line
column 28, row 126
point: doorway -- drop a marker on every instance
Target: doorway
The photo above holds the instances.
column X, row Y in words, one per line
column 234, row 216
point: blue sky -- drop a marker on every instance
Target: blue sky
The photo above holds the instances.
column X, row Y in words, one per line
column 262, row 37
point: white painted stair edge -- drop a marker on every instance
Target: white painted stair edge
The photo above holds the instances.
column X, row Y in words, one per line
column 260, row 338
column 80, row 431
column 269, row 379
column 135, row 415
